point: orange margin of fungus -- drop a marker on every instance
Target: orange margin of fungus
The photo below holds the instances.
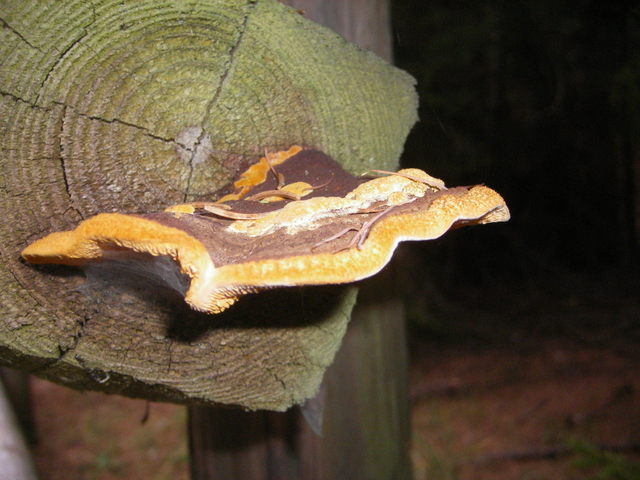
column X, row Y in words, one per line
column 258, row 172
column 214, row 288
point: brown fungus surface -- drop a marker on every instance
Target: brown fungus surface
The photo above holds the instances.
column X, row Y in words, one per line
column 339, row 229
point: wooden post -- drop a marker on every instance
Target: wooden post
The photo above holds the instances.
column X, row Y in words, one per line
column 134, row 105
column 366, row 420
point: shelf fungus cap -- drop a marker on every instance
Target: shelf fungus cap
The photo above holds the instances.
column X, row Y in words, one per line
column 293, row 218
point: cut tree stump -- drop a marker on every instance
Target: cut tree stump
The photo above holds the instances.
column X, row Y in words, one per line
column 134, row 105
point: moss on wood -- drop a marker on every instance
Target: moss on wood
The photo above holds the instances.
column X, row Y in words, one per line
column 132, row 105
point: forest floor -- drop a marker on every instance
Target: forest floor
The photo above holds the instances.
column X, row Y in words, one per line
column 553, row 393
column 545, row 386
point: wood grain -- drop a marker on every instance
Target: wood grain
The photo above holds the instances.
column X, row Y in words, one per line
column 134, row 105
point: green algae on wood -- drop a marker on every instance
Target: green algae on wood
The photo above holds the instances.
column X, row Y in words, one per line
column 131, row 105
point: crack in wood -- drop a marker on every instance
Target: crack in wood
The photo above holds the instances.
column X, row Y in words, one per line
column 65, row 350
column 62, row 159
column 6, row 25
column 63, row 165
column 277, row 378
column 19, row 99
column 62, row 350
column 216, row 94
column 144, row 130
column 64, row 53
column 61, row 57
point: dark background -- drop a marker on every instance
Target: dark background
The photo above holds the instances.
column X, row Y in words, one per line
column 540, row 101
column 525, row 335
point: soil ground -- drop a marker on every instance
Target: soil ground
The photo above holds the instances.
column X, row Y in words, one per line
column 553, row 393
column 542, row 386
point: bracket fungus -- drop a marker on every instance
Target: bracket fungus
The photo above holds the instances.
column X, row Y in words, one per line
column 293, row 218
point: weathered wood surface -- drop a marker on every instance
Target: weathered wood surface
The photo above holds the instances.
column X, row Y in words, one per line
column 366, row 417
column 132, row 105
